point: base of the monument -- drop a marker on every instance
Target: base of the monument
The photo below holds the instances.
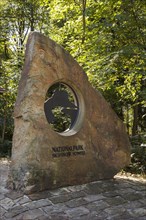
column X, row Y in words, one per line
column 34, row 180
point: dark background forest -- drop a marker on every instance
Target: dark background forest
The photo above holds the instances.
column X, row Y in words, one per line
column 106, row 37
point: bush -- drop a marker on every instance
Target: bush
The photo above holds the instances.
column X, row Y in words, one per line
column 138, row 156
column 5, row 148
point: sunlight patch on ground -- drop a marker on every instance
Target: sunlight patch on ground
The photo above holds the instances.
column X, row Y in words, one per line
column 4, row 161
column 129, row 176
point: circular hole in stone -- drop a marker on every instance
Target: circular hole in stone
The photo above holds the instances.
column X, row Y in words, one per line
column 61, row 107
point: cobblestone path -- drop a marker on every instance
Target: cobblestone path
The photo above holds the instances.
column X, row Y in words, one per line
column 119, row 199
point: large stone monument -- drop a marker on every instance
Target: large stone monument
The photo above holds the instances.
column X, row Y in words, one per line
column 65, row 132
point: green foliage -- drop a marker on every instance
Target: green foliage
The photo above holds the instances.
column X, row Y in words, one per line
column 138, row 156
column 5, row 148
column 62, row 121
column 112, row 52
column 138, row 162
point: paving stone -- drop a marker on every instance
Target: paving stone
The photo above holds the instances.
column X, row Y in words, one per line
column 7, row 203
column 120, row 216
column 132, row 204
column 115, row 210
column 96, row 216
column 22, row 200
column 100, row 216
column 3, row 190
column 110, row 186
column 91, row 198
column 37, row 204
column 48, row 209
column 131, row 196
column 135, row 181
column 30, row 215
column 122, row 191
column 139, row 187
column 97, row 205
column 77, row 194
column 14, row 194
column 106, row 185
column 137, row 212
column 43, row 217
column 2, row 211
column 3, row 218
column 2, row 196
column 38, row 196
column 16, row 211
column 76, row 202
column 60, row 199
column 77, row 212
column 94, row 189
column 110, row 194
column 77, row 188
column 140, row 218
column 143, row 201
column 60, row 191
column 60, row 216
column 124, row 183
column 54, row 208
column 115, row 201
column 92, row 216
column 95, row 184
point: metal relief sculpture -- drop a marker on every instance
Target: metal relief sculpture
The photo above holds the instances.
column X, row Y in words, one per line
column 66, row 105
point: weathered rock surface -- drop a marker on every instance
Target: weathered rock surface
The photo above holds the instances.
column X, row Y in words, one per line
column 96, row 148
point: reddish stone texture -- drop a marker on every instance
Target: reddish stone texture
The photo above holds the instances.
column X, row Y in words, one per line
column 96, row 148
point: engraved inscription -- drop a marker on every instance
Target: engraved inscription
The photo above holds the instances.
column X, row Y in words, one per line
column 67, row 151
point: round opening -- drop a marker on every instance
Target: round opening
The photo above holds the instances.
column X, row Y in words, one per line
column 62, row 109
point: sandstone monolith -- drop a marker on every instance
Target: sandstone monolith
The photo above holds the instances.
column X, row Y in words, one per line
column 96, row 147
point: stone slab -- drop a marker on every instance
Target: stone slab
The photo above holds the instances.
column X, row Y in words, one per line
column 95, row 148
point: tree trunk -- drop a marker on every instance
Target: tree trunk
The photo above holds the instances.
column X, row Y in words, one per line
column 135, row 120
column 32, row 18
column 127, row 120
column 84, row 19
column 4, row 128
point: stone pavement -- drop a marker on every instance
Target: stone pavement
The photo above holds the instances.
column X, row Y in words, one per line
column 119, row 199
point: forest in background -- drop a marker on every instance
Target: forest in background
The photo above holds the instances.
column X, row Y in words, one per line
column 106, row 37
